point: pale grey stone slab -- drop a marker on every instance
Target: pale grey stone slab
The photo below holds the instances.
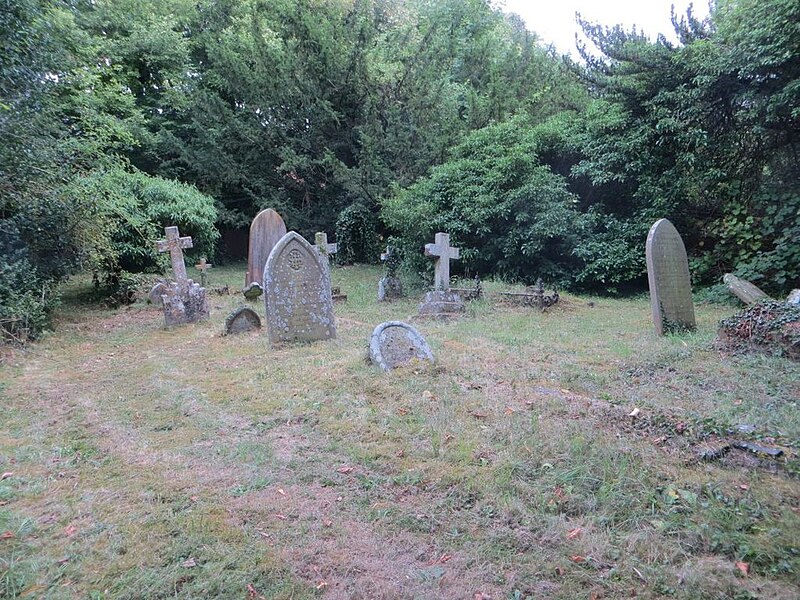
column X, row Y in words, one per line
column 395, row 343
column 266, row 230
column 297, row 293
column 668, row 276
column 443, row 253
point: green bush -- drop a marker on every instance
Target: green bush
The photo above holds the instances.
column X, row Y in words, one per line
column 356, row 235
column 509, row 214
column 131, row 210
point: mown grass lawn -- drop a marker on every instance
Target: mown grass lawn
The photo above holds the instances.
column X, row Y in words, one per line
column 149, row 463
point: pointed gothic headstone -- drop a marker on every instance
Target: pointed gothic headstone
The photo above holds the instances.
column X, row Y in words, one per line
column 297, row 294
column 266, row 230
column 668, row 276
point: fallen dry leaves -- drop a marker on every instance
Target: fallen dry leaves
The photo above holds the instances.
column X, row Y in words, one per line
column 344, row 470
column 573, row 533
column 744, row 568
column 6, row 475
column 7, row 535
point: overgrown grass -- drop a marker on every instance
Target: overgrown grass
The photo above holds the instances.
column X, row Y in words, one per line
column 152, row 463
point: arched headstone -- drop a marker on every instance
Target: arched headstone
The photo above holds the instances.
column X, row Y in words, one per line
column 297, row 293
column 395, row 343
column 668, row 276
column 241, row 320
column 266, row 230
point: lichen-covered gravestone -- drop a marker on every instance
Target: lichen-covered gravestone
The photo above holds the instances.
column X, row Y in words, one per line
column 241, row 320
column 668, row 276
column 297, row 293
column 395, row 343
column 266, row 230
column 441, row 302
column 184, row 300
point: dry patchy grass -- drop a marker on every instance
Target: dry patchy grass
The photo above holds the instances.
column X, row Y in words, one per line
column 150, row 463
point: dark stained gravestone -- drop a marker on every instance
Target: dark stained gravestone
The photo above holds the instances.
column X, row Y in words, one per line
column 395, row 343
column 297, row 293
column 668, row 276
column 241, row 320
column 266, row 230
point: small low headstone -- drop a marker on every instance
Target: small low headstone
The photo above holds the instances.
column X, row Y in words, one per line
column 253, row 291
column 442, row 302
column 203, row 266
column 668, row 276
column 395, row 343
column 159, row 289
column 794, row 298
column 389, row 286
column 297, row 293
column 266, row 230
column 241, row 320
column 747, row 292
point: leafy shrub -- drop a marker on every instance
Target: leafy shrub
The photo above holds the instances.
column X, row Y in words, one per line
column 356, row 235
column 507, row 212
column 131, row 211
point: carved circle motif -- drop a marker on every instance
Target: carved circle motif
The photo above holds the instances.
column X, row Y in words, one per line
column 295, row 259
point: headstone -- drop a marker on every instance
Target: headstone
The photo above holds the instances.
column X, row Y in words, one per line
column 266, row 230
column 793, row 298
column 443, row 253
column 325, row 250
column 185, row 305
column 323, row 247
column 203, row 266
column 253, row 291
column 297, row 293
column 668, row 276
column 747, row 292
column 184, row 300
column 389, row 286
column 241, row 320
column 174, row 244
column 395, row 343
column 442, row 302
column 158, row 290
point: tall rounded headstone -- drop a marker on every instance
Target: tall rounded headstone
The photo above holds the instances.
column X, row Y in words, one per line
column 668, row 276
column 297, row 293
column 266, row 230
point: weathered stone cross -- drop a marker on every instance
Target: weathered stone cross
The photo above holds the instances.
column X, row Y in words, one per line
column 203, row 266
column 174, row 244
column 323, row 247
column 443, row 253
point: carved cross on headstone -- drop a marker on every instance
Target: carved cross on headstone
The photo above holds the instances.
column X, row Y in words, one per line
column 203, row 266
column 323, row 247
column 174, row 244
column 443, row 252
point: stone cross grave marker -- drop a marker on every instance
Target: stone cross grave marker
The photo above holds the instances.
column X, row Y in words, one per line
column 266, row 230
column 443, row 253
column 203, row 266
column 297, row 293
column 323, row 247
column 174, row 244
column 668, row 276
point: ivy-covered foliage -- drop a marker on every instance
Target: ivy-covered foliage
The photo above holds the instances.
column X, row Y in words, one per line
column 768, row 326
column 356, row 235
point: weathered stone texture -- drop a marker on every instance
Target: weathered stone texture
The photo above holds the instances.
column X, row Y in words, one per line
column 668, row 276
column 242, row 320
column 297, row 293
column 266, row 230
column 395, row 343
